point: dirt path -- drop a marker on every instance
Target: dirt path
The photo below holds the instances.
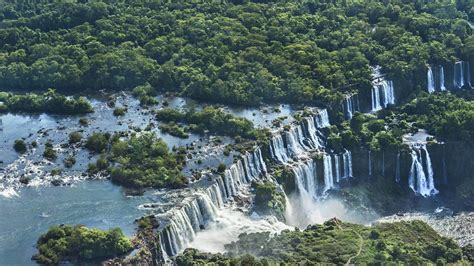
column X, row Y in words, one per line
column 360, row 245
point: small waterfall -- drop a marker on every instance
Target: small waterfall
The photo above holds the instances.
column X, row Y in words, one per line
column 336, row 168
column 278, row 150
column 293, row 141
column 328, row 175
column 314, row 140
column 370, row 164
column 441, row 79
column 349, row 107
column 347, row 160
column 305, row 177
column 322, row 119
column 458, row 74
column 376, row 99
column 431, row 81
column 468, row 74
column 397, row 170
column 421, row 176
column 382, row 93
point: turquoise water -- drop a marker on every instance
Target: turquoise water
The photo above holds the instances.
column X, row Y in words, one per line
column 25, row 217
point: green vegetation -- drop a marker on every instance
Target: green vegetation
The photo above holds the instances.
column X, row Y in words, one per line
column 138, row 162
column 75, row 137
column 20, row 146
column 445, row 116
column 146, row 161
column 145, row 94
column 120, row 111
column 240, row 52
column 69, row 161
column 335, row 242
column 210, row 118
column 174, row 130
column 80, row 244
column 49, row 102
column 268, row 199
column 49, row 153
column 97, row 142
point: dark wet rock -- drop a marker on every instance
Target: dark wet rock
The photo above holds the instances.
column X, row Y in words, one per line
column 57, row 182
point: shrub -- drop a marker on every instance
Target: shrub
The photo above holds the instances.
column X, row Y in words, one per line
column 20, row 146
column 75, row 137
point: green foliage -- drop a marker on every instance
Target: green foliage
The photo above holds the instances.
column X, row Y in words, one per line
column 145, row 94
column 49, row 153
column 120, row 111
column 174, row 130
column 69, row 161
column 213, row 119
column 240, row 52
column 20, row 146
column 80, row 244
column 446, row 116
column 145, row 161
column 268, row 199
column 75, row 137
column 334, row 242
column 97, row 142
column 49, row 102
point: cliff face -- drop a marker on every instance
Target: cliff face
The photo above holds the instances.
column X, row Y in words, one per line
column 452, row 165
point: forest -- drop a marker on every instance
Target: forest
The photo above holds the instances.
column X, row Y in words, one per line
column 241, row 52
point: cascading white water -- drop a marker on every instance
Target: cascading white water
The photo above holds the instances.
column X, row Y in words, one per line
column 397, row 170
column 431, row 81
column 468, row 74
column 370, row 163
column 336, row 168
column 328, row 175
column 458, row 74
column 197, row 212
column 185, row 222
column 350, row 108
column 312, row 133
column 382, row 93
column 421, row 176
column 347, row 159
column 293, row 142
column 278, row 150
column 376, row 99
column 322, row 119
column 442, row 87
column 306, row 178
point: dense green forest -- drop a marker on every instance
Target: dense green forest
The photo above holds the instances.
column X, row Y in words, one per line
column 236, row 51
column 335, row 242
column 79, row 243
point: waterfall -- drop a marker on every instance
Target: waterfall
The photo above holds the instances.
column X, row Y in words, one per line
column 458, row 75
column 336, row 167
column 278, row 150
column 347, row 160
column 376, row 99
column 350, row 108
column 397, row 170
column 382, row 93
column 185, row 222
column 293, row 142
column 431, row 81
column 196, row 212
column 328, row 176
column 441, row 79
column 468, row 74
column 421, row 176
column 305, row 178
column 370, row 164
column 322, row 119
column 312, row 133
